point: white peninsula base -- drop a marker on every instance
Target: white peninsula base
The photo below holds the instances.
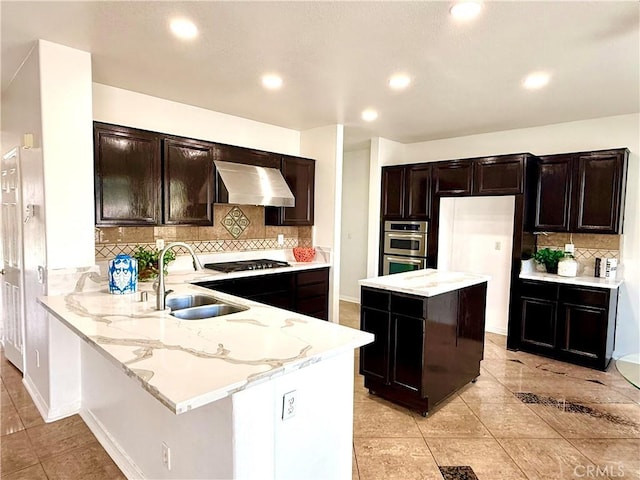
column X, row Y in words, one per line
column 242, row 436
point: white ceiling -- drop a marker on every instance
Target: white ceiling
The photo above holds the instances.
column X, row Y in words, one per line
column 336, row 58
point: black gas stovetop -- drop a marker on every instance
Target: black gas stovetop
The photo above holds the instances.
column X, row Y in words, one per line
column 261, row 264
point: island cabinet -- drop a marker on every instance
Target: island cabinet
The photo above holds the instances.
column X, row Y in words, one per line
column 406, row 192
column 581, row 192
column 305, row 291
column 425, row 348
column 127, row 176
column 572, row 323
column 299, row 173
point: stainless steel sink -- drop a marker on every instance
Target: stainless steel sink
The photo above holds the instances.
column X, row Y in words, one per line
column 207, row 311
column 188, row 301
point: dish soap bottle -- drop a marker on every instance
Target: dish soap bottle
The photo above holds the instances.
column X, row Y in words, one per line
column 567, row 266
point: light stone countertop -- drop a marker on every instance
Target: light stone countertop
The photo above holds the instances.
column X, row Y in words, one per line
column 580, row 281
column 425, row 283
column 189, row 363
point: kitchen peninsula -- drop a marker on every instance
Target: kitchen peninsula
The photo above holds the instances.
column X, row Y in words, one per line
column 235, row 396
column 429, row 335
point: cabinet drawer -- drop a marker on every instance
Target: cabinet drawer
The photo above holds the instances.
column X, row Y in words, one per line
column 585, row 296
column 545, row 291
column 375, row 299
column 409, row 306
column 314, row 290
column 313, row 276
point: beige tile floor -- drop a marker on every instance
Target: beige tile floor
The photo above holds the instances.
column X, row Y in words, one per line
column 581, row 424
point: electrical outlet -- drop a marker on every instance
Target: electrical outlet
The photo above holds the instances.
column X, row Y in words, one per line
column 289, row 405
column 37, row 359
column 159, row 243
column 569, row 247
column 166, row 456
column 280, row 239
column 498, row 245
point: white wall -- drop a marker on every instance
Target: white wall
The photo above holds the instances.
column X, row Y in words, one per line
column 123, row 107
column 595, row 134
column 353, row 250
column 325, row 145
column 476, row 235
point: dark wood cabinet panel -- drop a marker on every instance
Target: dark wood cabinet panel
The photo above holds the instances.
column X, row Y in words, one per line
column 393, row 193
column 600, row 192
column 235, row 154
column 502, row 175
column 453, row 178
column 425, row 348
column 299, row 173
column 127, row 176
column 418, row 192
column 553, row 193
column 571, row 323
column 374, row 358
column 188, row 182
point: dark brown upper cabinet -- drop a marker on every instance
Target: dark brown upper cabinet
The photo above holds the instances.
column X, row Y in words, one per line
column 188, row 182
column 234, row 154
column 554, row 182
column 453, row 177
column 498, row 175
column 127, row 176
column 600, row 191
column 581, row 192
column 299, row 173
column 406, row 192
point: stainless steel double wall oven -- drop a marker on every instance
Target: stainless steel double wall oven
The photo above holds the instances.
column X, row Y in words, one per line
column 405, row 246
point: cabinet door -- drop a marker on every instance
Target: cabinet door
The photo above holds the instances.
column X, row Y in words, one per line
column 582, row 333
column 498, row 175
column 374, row 358
column 418, row 192
column 553, row 193
column 407, row 353
column 538, row 330
column 127, row 176
column 299, row 173
column 312, row 293
column 600, row 192
column 453, row 178
column 471, row 323
column 248, row 156
column 393, row 193
column 188, row 182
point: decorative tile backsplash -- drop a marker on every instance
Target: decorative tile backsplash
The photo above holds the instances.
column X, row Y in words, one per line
column 210, row 239
column 235, row 221
column 588, row 247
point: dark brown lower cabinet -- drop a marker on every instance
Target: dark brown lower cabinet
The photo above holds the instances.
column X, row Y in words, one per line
column 305, row 292
column 425, row 348
column 571, row 323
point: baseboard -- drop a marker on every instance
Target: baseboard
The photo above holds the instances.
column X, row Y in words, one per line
column 345, row 298
column 498, row 330
column 46, row 412
column 111, row 446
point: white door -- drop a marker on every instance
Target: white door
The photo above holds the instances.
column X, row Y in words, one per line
column 12, row 268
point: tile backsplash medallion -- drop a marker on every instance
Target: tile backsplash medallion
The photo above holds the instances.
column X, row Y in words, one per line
column 210, row 239
column 588, row 247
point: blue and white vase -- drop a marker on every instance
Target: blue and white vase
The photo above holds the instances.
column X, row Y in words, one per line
column 123, row 274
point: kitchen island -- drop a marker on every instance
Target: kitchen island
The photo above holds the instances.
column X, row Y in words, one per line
column 263, row 393
column 429, row 329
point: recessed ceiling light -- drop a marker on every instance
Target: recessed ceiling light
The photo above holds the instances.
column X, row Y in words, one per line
column 536, row 80
column 272, row 81
column 465, row 10
column 399, row 81
column 369, row 115
column 183, row 28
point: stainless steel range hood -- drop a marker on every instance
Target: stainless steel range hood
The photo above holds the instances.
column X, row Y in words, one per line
column 253, row 185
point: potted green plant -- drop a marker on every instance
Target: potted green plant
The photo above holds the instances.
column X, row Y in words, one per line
column 549, row 258
column 148, row 261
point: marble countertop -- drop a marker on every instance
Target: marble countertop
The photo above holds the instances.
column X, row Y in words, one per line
column 582, row 281
column 189, row 363
column 426, row 283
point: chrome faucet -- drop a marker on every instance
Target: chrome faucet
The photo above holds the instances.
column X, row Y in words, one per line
column 160, row 300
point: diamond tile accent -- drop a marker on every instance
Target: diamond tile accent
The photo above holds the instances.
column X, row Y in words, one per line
column 235, row 221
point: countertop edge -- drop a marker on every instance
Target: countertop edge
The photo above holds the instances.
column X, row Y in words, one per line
column 578, row 281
